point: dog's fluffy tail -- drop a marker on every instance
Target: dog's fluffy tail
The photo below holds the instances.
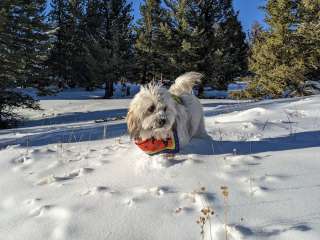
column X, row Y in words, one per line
column 184, row 83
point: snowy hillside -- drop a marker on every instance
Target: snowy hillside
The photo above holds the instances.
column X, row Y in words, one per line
column 71, row 172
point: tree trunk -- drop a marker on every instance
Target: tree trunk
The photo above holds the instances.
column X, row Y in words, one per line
column 108, row 91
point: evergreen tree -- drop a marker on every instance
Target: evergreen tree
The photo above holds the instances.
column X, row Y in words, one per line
column 65, row 57
column 255, row 33
column 34, row 42
column 8, row 69
column 94, row 59
column 26, row 38
column 58, row 53
column 181, row 38
column 149, row 40
column 93, row 43
column 117, row 34
column 77, row 37
column 287, row 53
column 22, row 51
column 89, row 62
column 208, row 38
column 308, row 35
column 223, row 41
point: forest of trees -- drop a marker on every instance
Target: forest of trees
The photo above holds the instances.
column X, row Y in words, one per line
column 94, row 43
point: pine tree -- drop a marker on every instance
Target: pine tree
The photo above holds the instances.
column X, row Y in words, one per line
column 208, row 38
column 255, row 33
column 58, row 56
column 77, row 38
column 94, row 42
column 275, row 56
column 65, row 56
column 117, row 34
column 35, row 43
column 8, row 68
column 181, row 38
column 308, row 35
column 89, row 61
column 26, row 37
column 22, row 51
column 94, row 58
column 149, row 40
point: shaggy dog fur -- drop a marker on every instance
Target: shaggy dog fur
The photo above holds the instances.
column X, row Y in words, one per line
column 156, row 111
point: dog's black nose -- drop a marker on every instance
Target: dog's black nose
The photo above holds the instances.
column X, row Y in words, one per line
column 161, row 122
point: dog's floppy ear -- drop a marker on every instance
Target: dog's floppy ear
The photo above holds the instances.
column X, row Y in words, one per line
column 133, row 124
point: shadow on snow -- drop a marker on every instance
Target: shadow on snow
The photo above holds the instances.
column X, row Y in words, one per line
column 209, row 146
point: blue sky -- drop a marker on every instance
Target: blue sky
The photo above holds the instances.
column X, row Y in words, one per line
column 248, row 11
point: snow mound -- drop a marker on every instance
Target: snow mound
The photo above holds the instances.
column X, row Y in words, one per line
column 242, row 116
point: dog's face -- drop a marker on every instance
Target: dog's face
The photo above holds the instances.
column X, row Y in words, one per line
column 151, row 112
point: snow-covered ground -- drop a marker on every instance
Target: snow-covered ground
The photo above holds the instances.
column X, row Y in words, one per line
column 65, row 175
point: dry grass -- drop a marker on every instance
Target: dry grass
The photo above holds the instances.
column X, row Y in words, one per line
column 205, row 218
column 225, row 193
column 207, row 212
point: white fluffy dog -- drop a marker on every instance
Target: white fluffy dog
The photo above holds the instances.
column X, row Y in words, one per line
column 156, row 111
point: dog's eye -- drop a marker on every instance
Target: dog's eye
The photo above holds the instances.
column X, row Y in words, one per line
column 151, row 109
